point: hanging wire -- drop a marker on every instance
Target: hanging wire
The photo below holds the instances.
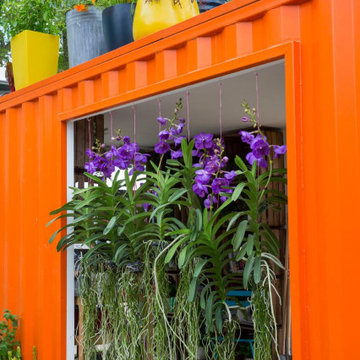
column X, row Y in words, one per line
column 159, row 111
column 134, row 113
column 89, row 130
column 188, row 115
column 90, row 181
column 257, row 100
column 220, row 110
column 111, row 128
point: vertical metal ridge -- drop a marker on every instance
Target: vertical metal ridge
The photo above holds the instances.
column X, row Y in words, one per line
column 110, row 83
column 11, row 219
column 65, row 99
column 29, row 221
column 3, row 244
column 86, row 92
column 165, row 65
column 136, row 75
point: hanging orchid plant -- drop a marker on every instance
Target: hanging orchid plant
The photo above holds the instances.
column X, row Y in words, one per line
column 138, row 228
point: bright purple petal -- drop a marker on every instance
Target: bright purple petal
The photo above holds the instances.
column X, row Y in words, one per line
column 164, row 135
column 246, row 137
column 162, row 120
column 162, row 147
column 175, row 154
column 279, row 150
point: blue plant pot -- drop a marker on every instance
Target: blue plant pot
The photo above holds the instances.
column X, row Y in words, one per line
column 117, row 23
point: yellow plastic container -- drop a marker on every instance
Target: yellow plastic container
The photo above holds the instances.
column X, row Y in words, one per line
column 35, row 57
column 155, row 15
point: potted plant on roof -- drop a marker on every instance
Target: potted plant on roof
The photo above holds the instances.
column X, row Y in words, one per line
column 155, row 15
column 117, row 20
column 85, row 39
column 33, row 27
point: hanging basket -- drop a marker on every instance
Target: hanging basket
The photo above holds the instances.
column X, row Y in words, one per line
column 85, row 37
column 155, row 15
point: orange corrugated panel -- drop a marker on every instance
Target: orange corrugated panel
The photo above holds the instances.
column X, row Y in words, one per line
column 320, row 41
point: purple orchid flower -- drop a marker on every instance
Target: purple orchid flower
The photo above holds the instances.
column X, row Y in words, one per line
column 175, row 154
column 90, row 154
column 262, row 163
column 279, row 150
column 210, row 200
column 218, row 184
column 126, row 140
column 212, row 166
column 224, row 161
column 202, row 177
column 178, row 140
column 203, row 141
column 164, row 135
column 90, row 168
column 246, row 137
column 230, row 175
column 162, row 120
column 162, row 147
column 260, row 147
column 250, row 158
column 200, row 189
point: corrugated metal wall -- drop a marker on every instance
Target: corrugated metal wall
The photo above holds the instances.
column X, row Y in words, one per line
column 32, row 160
column 323, row 132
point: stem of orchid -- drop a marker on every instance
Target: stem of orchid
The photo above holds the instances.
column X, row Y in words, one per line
column 268, row 180
column 160, row 162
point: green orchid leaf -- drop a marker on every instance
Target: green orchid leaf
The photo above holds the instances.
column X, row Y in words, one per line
column 110, row 225
column 257, row 270
column 192, row 289
column 250, row 244
column 218, row 318
column 173, row 249
column 199, row 266
column 237, row 191
column 247, row 270
column 209, row 311
column 239, row 235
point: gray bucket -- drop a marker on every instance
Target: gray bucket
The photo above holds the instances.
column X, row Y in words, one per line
column 85, row 37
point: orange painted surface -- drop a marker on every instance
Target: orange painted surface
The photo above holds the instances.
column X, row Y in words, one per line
column 320, row 41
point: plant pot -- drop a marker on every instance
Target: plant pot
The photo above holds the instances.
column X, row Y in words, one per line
column 85, row 37
column 117, row 21
column 205, row 5
column 155, row 15
column 35, row 57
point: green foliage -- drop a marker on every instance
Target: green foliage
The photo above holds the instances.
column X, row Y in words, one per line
column 265, row 331
column 105, row 219
column 107, row 3
column 186, row 320
column 67, row 5
column 17, row 356
column 122, row 235
column 8, row 342
column 4, row 48
column 213, row 235
column 36, row 15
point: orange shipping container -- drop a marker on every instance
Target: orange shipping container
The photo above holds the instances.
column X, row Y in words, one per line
column 320, row 43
